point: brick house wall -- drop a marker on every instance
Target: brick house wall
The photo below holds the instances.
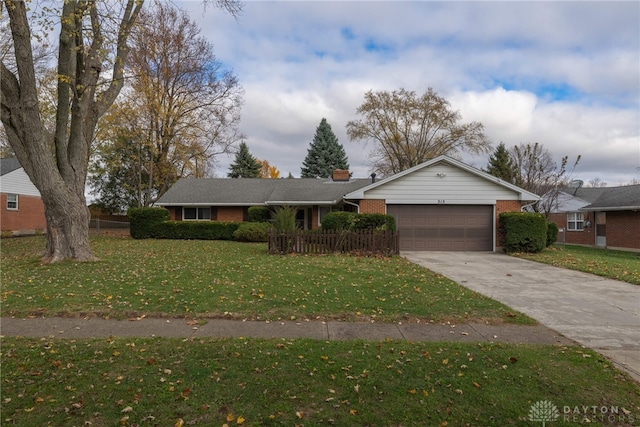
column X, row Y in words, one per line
column 623, row 229
column 230, row 213
column 504, row 206
column 587, row 236
column 27, row 219
column 378, row 206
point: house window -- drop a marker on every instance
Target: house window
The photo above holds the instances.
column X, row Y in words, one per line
column 12, row 202
column 575, row 221
column 196, row 214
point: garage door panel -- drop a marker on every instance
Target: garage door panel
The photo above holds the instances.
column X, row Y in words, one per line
column 444, row 228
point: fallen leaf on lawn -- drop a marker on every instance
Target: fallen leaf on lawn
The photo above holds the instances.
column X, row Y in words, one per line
column 299, row 414
column 230, row 417
column 413, row 391
column 240, row 420
column 127, row 409
column 513, row 359
column 353, row 411
column 476, row 385
column 179, row 423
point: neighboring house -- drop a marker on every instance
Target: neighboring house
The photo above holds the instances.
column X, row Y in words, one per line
column 605, row 217
column 442, row 204
column 22, row 209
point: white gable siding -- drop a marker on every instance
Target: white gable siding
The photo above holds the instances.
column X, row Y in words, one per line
column 18, row 182
column 454, row 186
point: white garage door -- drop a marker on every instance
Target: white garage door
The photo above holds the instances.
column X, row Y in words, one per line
column 444, row 227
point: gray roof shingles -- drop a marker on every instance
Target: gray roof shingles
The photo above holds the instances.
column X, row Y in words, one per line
column 626, row 197
column 257, row 191
column 9, row 165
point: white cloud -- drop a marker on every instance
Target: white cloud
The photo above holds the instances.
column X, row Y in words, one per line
column 564, row 74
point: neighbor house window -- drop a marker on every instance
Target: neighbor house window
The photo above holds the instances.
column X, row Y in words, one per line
column 12, row 202
column 196, row 214
column 575, row 221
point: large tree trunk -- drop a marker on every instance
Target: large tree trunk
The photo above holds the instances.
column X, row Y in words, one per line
column 67, row 228
column 56, row 162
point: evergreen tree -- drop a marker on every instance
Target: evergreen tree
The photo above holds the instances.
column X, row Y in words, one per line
column 324, row 154
column 501, row 165
column 244, row 165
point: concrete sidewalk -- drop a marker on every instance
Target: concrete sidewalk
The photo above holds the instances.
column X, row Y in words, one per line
column 221, row 328
column 596, row 312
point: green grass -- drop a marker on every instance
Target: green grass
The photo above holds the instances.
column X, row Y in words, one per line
column 232, row 280
column 619, row 265
column 158, row 382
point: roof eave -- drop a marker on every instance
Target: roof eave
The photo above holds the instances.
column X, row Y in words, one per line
column 300, row 202
column 208, row 204
column 610, row 208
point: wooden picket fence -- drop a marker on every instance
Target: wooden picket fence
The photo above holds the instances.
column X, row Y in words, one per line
column 318, row 242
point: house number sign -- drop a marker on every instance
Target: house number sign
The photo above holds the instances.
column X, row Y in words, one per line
column 440, row 201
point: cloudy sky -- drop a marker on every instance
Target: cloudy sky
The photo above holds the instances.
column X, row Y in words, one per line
column 564, row 74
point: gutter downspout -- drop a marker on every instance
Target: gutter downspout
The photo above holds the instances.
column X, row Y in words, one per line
column 524, row 206
column 352, row 204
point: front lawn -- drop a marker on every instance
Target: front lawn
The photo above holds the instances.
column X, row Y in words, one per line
column 241, row 382
column 619, row 265
column 232, row 280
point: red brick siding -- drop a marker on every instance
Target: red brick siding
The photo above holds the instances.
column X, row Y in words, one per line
column 505, row 206
column 373, row 206
column 315, row 212
column 575, row 237
column 623, row 229
column 28, row 218
column 230, row 213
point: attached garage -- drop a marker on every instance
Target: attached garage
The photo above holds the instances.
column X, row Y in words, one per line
column 443, row 205
column 444, row 227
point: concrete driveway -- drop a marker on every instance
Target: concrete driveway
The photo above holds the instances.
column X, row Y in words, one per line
column 598, row 313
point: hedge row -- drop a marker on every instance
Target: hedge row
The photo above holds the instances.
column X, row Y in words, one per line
column 355, row 221
column 195, row 230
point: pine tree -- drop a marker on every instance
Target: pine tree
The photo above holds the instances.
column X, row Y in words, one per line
column 324, row 154
column 500, row 164
column 244, row 165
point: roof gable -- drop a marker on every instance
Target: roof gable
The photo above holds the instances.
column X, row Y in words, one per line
column 444, row 162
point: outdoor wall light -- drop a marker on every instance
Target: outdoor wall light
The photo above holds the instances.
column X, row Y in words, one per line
column 441, row 175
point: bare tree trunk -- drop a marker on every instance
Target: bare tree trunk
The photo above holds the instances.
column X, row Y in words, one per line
column 67, row 228
column 56, row 162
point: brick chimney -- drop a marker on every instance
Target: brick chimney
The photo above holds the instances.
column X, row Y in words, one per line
column 340, row 175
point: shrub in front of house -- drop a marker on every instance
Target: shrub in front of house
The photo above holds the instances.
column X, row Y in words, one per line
column 143, row 220
column 284, row 218
column 195, row 230
column 354, row 221
column 523, row 231
column 375, row 221
column 259, row 214
column 339, row 220
column 252, row 232
column 552, row 233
